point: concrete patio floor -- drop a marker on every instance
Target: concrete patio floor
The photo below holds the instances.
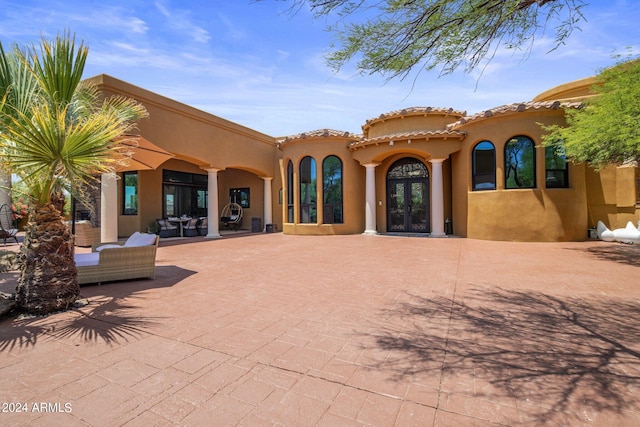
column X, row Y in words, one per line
column 270, row 329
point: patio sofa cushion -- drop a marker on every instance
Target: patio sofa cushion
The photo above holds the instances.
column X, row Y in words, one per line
column 109, row 246
column 84, row 260
column 140, row 239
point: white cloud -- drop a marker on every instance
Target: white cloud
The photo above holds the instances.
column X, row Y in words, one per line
column 180, row 21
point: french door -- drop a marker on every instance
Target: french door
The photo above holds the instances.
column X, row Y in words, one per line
column 408, row 197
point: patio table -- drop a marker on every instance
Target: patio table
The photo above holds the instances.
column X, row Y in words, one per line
column 180, row 221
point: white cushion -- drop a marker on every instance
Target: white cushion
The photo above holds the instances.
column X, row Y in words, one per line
column 147, row 239
column 140, row 239
column 629, row 234
column 108, row 246
column 86, row 260
column 132, row 239
column 604, row 233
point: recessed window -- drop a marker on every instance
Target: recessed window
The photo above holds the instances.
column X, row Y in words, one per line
column 520, row 163
column 130, row 193
column 556, row 168
column 290, row 192
column 240, row 196
column 332, row 190
column 184, row 193
column 484, row 166
column 308, row 191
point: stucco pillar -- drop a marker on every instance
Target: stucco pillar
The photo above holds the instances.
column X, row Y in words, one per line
column 437, row 199
column 109, row 208
column 213, row 212
column 5, row 188
column 370, row 200
column 268, row 214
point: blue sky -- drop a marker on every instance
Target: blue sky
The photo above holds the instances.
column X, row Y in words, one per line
column 256, row 65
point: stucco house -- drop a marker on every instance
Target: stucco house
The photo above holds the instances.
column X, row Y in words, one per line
column 426, row 170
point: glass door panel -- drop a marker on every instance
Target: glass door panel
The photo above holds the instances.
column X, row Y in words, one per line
column 418, row 209
column 396, row 214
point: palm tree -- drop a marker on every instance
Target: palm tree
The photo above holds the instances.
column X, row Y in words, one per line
column 57, row 135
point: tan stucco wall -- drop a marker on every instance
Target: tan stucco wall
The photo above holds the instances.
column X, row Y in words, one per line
column 194, row 135
column 353, row 185
column 538, row 214
column 575, row 90
column 398, row 122
column 611, row 196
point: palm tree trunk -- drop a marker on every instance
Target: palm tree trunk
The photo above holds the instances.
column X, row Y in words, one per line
column 49, row 279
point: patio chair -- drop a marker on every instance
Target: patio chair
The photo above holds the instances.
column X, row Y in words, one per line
column 231, row 216
column 167, row 229
column 203, row 226
column 86, row 234
column 190, row 228
column 8, row 230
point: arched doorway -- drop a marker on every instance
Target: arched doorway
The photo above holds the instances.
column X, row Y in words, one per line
column 408, row 196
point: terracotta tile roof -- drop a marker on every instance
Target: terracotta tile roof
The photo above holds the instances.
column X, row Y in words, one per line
column 414, row 111
column 513, row 108
column 402, row 136
column 320, row 133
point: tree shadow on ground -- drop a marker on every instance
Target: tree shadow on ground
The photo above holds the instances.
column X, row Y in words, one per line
column 555, row 356
column 616, row 252
column 110, row 315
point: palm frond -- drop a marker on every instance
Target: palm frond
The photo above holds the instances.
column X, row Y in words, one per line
column 59, row 67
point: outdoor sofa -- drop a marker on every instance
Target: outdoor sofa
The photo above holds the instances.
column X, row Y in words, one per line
column 107, row 262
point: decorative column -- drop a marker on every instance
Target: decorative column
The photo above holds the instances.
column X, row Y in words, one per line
column 212, row 206
column 437, row 199
column 5, row 187
column 268, row 214
column 370, row 202
column 109, row 208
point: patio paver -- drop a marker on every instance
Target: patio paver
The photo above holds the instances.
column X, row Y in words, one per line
column 270, row 329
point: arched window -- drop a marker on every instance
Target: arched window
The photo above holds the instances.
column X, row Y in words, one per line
column 308, row 191
column 484, row 166
column 332, row 190
column 556, row 168
column 519, row 163
column 290, row 192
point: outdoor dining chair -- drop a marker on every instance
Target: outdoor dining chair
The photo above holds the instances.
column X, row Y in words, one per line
column 190, row 228
column 8, row 230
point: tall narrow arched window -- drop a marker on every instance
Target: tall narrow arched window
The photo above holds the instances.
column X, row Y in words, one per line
column 519, row 163
column 556, row 167
column 484, row 166
column 290, row 192
column 308, row 191
column 332, row 190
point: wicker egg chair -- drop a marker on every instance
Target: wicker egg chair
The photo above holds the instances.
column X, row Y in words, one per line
column 231, row 216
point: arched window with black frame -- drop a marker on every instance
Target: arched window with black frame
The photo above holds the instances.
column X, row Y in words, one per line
column 290, row 211
column 484, row 166
column 332, row 190
column 519, row 163
column 308, row 191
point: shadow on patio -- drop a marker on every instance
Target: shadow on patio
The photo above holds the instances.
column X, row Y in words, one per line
column 109, row 316
column 555, row 359
column 618, row 252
